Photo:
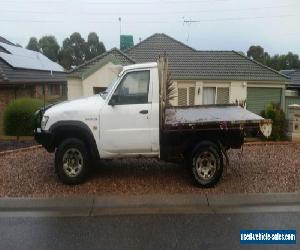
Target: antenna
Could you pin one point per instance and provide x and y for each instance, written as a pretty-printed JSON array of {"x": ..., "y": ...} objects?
[
  {"x": 120, "y": 22},
  {"x": 187, "y": 22}
]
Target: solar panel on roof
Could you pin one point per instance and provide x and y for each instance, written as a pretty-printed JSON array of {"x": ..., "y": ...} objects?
[{"x": 27, "y": 59}]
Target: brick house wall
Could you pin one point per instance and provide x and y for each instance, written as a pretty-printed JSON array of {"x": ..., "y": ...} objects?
[{"x": 8, "y": 94}]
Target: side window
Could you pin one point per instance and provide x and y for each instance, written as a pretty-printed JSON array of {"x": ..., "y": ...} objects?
[{"x": 133, "y": 88}]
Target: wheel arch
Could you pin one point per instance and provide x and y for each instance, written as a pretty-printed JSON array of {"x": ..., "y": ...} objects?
[
  {"x": 195, "y": 145},
  {"x": 74, "y": 129}
]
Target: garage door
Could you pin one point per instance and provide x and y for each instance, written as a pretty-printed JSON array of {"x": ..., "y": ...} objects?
[{"x": 259, "y": 98}]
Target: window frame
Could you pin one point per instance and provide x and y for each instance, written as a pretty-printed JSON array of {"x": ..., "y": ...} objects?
[
  {"x": 188, "y": 86},
  {"x": 123, "y": 79},
  {"x": 216, "y": 94}
]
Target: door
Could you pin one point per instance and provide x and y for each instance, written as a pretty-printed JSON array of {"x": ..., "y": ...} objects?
[
  {"x": 125, "y": 122},
  {"x": 259, "y": 98}
]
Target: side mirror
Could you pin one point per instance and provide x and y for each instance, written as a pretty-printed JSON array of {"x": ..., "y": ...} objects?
[{"x": 113, "y": 100}]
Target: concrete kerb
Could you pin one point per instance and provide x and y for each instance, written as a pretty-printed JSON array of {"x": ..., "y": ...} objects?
[
  {"x": 46, "y": 206},
  {"x": 151, "y": 204},
  {"x": 255, "y": 202}
]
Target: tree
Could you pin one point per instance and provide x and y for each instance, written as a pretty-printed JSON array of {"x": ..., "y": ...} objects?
[
  {"x": 257, "y": 53},
  {"x": 277, "y": 62},
  {"x": 94, "y": 46},
  {"x": 33, "y": 44},
  {"x": 65, "y": 56},
  {"x": 292, "y": 61},
  {"x": 74, "y": 51},
  {"x": 49, "y": 47}
]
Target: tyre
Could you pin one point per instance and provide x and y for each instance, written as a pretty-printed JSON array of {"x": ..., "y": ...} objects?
[
  {"x": 207, "y": 165},
  {"x": 72, "y": 161}
]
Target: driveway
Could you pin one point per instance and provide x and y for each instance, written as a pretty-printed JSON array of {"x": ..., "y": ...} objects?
[{"x": 256, "y": 169}]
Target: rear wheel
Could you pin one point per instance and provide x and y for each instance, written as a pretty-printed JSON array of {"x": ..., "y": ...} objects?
[
  {"x": 72, "y": 161},
  {"x": 207, "y": 165}
]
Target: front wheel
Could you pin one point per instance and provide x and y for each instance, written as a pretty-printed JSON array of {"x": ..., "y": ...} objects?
[
  {"x": 71, "y": 161},
  {"x": 207, "y": 165}
]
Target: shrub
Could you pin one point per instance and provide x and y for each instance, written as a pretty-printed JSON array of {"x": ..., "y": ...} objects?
[
  {"x": 19, "y": 118},
  {"x": 276, "y": 114}
]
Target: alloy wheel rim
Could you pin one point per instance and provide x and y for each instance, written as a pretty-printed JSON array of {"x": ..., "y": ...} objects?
[
  {"x": 72, "y": 162},
  {"x": 206, "y": 165}
]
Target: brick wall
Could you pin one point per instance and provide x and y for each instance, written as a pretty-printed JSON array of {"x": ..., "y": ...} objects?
[
  {"x": 9, "y": 93},
  {"x": 6, "y": 95},
  {"x": 33, "y": 91}
]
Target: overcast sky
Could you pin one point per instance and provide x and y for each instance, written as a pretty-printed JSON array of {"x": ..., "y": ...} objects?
[{"x": 223, "y": 24}]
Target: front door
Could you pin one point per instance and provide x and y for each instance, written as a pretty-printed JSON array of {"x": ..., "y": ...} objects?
[{"x": 125, "y": 123}]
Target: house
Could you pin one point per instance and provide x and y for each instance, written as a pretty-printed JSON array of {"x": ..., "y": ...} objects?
[
  {"x": 294, "y": 75},
  {"x": 95, "y": 75},
  {"x": 213, "y": 77},
  {"x": 26, "y": 73},
  {"x": 200, "y": 77},
  {"x": 293, "y": 93}
]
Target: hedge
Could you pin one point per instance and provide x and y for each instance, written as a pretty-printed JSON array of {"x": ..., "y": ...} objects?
[
  {"x": 276, "y": 114},
  {"x": 19, "y": 118}
]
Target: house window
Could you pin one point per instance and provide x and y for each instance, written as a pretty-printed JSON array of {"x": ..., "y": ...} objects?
[
  {"x": 186, "y": 96},
  {"x": 53, "y": 89},
  {"x": 215, "y": 95},
  {"x": 222, "y": 95},
  {"x": 209, "y": 95},
  {"x": 98, "y": 90}
]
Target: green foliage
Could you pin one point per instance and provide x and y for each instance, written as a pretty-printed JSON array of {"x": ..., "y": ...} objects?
[
  {"x": 74, "y": 51},
  {"x": 277, "y": 62},
  {"x": 19, "y": 119},
  {"x": 1, "y": 123},
  {"x": 49, "y": 47},
  {"x": 94, "y": 46},
  {"x": 33, "y": 44},
  {"x": 276, "y": 114},
  {"x": 257, "y": 53}
]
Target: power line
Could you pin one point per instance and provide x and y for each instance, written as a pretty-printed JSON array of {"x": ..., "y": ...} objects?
[
  {"x": 148, "y": 13},
  {"x": 152, "y": 21},
  {"x": 168, "y": 2},
  {"x": 238, "y": 18},
  {"x": 116, "y": 2}
]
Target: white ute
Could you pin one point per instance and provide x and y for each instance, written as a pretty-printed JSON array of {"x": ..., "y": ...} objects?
[{"x": 132, "y": 118}]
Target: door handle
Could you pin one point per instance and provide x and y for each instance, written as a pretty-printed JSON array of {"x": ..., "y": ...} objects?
[{"x": 144, "y": 112}]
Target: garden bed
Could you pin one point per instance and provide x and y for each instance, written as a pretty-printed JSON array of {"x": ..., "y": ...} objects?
[
  {"x": 16, "y": 144},
  {"x": 256, "y": 169}
]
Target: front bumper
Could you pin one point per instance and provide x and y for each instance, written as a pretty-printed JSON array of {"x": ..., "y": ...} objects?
[{"x": 45, "y": 138}]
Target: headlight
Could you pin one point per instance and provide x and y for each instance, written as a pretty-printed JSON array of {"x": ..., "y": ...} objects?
[{"x": 44, "y": 121}]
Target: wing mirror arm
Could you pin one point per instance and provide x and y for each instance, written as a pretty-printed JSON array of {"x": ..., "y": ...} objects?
[{"x": 113, "y": 100}]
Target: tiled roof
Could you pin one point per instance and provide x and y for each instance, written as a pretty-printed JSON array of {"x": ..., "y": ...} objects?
[
  {"x": 186, "y": 63},
  {"x": 294, "y": 74},
  {"x": 112, "y": 55},
  {"x": 3, "y": 40}
]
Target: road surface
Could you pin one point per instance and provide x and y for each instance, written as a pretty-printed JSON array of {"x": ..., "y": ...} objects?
[{"x": 161, "y": 231}]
